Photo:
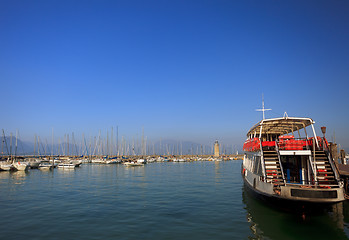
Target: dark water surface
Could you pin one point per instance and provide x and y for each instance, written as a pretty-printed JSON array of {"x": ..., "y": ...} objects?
[{"x": 195, "y": 200}]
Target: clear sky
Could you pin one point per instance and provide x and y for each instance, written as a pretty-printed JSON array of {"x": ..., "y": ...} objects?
[{"x": 183, "y": 70}]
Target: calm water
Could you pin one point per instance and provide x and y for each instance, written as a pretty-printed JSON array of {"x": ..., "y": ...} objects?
[{"x": 197, "y": 200}]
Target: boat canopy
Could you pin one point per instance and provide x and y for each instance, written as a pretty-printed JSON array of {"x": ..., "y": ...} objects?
[{"x": 280, "y": 126}]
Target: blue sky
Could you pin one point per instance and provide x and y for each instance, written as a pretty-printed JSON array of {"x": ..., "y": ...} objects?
[{"x": 183, "y": 70}]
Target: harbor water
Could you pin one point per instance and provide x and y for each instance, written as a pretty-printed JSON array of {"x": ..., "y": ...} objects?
[{"x": 174, "y": 200}]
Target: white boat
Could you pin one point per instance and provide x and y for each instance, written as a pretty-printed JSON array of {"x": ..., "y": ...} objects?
[
  {"x": 132, "y": 164},
  {"x": 113, "y": 161},
  {"x": 66, "y": 165},
  {"x": 97, "y": 160},
  {"x": 34, "y": 163},
  {"x": 21, "y": 166},
  {"x": 45, "y": 166},
  {"x": 6, "y": 167},
  {"x": 280, "y": 168},
  {"x": 76, "y": 162},
  {"x": 142, "y": 161}
]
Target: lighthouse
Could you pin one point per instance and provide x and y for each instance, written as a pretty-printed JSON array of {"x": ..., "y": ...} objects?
[{"x": 216, "y": 149}]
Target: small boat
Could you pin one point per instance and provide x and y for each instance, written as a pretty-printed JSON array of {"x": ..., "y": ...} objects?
[
  {"x": 66, "y": 165},
  {"x": 76, "y": 162},
  {"x": 34, "y": 163},
  {"x": 280, "y": 168},
  {"x": 113, "y": 161},
  {"x": 45, "y": 166},
  {"x": 21, "y": 166},
  {"x": 6, "y": 167},
  {"x": 133, "y": 164},
  {"x": 142, "y": 161},
  {"x": 97, "y": 160}
]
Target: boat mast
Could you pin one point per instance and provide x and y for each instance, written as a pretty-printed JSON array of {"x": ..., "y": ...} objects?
[
  {"x": 2, "y": 148},
  {"x": 16, "y": 143},
  {"x": 111, "y": 143},
  {"x": 53, "y": 161},
  {"x": 3, "y": 134},
  {"x": 34, "y": 144},
  {"x": 11, "y": 147},
  {"x": 117, "y": 140},
  {"x": 263, "y": 109}
]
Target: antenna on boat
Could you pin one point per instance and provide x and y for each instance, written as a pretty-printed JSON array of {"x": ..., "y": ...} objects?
[{"x": 263, "y": 109}]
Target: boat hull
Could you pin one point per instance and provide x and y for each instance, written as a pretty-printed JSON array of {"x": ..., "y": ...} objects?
[
  {"x": 21, "y": 166},
  {"x": 132, "y": 164},
  {"x": 66, "y": 166},
  {"x": 285, "y": 201},
  {"x": 46, "y": 167},
  {"x": 6, "y": 167}
]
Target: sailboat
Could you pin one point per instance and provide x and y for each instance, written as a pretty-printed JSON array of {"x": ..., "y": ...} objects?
[{"x": 20, "y": 166}]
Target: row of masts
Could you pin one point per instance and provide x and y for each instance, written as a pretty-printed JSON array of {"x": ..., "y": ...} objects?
[{"x": 106, "y": 146}]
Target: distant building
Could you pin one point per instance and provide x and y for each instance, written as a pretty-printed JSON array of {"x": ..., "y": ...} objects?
[{"x": 216, "y": 149}]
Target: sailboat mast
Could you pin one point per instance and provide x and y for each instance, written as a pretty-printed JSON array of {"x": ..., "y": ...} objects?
[
  {"x": 16, "y": 142},
  {"x": 111, "y": 143},
  {"x": 11, "y": 146},
  {"x": 68, "y": 144},
  {"x": 117, "y": 140},
  {"x": 3, "y": 133},
  {"x": 53, "y": 161}
]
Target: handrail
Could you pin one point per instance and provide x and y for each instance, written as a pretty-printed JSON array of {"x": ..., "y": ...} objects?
[
  {"x": 279, "y": 158},
  {"x": 313, "y": 164},
  {"x": 262, "y": 161},
  {"x": 312, "y": 185},
  {"x": 330, "y": 160}
]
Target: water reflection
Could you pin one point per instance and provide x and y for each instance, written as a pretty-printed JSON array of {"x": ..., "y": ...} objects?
[
  {"x": 136, "y": 175},
  {"x": 267, "y": 222},
  {"x": 19, "y": 177},
  {"x": 217, "y": 170},
  {"x": 4, "y": 175}
]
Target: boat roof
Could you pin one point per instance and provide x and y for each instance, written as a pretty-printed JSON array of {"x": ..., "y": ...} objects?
[{"x": 280, "y": 126}]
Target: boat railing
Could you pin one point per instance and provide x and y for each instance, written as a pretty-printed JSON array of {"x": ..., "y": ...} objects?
[
  {"x": 262, "y": 161},
  {"x": 286, "y": 142},
  {"x": 279, "y": 158},
  {"x": 311, "y": 185},
  {"x": 327, "y": 151},
  {"x": 292, "y": 143}
]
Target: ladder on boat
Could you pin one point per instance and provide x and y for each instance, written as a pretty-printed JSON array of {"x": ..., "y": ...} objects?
[
  {"x": 324, "y": 171},
  {"x": 272, "y": 168}
]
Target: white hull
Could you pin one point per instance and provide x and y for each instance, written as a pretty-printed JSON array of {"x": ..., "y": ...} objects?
[
  {"x": 132, "y": 164},
  {"x": 34, "y": 164},
  {"x": 21, "y": 166},
  {"x": 6, "y": 167},
  {"x": 66, "y": 166},
  {"x": 45, "y": 166}
]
